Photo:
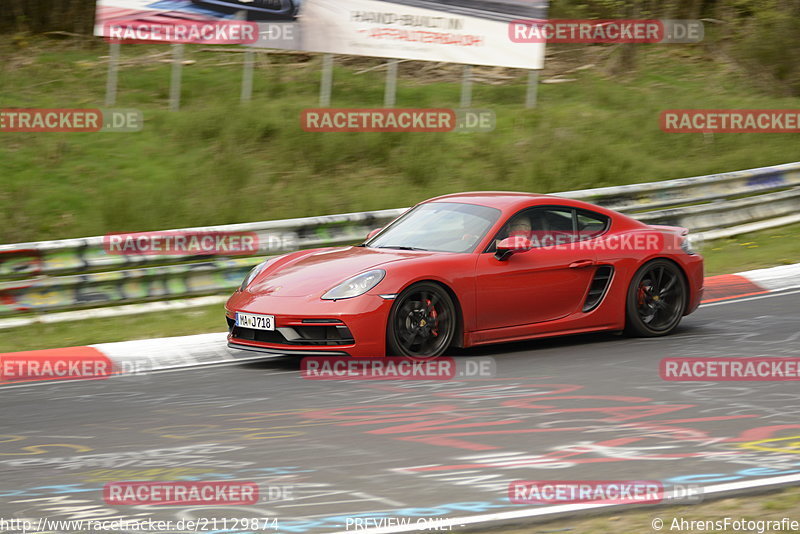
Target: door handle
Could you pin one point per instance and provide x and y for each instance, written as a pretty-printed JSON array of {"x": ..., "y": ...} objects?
[{"x": 581, "y": 263}]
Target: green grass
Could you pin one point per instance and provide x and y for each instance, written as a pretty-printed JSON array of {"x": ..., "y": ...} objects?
[
  {"x": 752, "y": 251},
  {"x": 107, "y": 330},
  {"x": 780, "y": 246},
  {"x": 218, "y": 161}
]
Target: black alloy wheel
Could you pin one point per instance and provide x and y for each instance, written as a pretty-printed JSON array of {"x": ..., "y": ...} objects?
[
  {"x": 422, "y": 322},
  {"x": 656, "y": 299}
]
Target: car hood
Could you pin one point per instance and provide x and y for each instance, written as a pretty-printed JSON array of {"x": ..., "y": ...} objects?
[{"x": 316, "y": 271}]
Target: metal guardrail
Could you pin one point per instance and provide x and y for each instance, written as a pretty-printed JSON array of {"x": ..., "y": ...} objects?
[
  {"x": 86, "y": 255},
  {"x": 78, "y": 273},
  {"x": 653, "y": 195}
]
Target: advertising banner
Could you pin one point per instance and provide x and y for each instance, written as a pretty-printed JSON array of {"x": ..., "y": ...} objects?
[{"x": 474, "y": 32}]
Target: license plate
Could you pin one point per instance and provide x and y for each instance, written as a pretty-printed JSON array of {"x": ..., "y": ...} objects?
[{"x": 256, "y": 322}]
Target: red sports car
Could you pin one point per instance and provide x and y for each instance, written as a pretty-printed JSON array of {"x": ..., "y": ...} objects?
[{"x": 470, "y": 269}]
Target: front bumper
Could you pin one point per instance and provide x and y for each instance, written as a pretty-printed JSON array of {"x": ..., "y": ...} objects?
[
  {"x": 694, "y": 268},
  {"x": 285, "y": 352},
  {"x": 306, "y": 326}
]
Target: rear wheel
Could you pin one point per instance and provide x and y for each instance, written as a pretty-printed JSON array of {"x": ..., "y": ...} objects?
[
  {"x": 422, "y": 322},
  {"x": 656, "y": 299}
]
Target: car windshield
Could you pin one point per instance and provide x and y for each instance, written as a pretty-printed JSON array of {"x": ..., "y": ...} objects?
[{"x": 439, "y": 227}]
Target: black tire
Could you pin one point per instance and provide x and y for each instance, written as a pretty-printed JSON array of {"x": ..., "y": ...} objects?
[
  {"x": 422, "y": 323},
  {"x": 656, "y": 299}
]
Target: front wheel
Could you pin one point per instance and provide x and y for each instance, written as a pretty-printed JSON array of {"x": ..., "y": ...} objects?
[
  {"x": 422, "y": 322},
  {"x": 656, "y": 299}
]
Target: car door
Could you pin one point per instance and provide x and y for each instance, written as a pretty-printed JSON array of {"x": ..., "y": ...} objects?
[{"x": 545, "y": 283}]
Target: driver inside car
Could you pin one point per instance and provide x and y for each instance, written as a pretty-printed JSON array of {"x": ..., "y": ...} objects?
[{"x": 519, "y": 226}]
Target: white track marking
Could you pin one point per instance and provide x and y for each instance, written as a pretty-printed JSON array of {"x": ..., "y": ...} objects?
[
  {"x": 221, "y": 363},
  {"x": 756, "y": 297},
  {"x": 442, "y": 524}
]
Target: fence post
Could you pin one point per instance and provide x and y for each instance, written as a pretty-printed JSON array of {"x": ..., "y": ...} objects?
[
  {"x": 247, "y": 76},
  {"x": 327, "y": 81},
  {"x": 175, "y": 85},
  {"x": 466, "y": 87},
  {"x": 111, "y": 79},
  {"x": 533, "y": 89},
  {"x": 390, "y": 96}
]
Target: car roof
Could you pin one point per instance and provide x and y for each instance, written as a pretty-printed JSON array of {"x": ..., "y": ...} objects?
[
  {"x": 492, "y": 198},
  {"x": 510, "y": 200}
]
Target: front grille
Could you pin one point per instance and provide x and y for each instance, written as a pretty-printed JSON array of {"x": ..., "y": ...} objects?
[
  {"x": 317, "y": 335},
  {"x": 263, "y": 336}
]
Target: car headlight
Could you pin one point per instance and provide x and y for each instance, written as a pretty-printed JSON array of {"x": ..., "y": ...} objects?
[
  {"x": 690, "y": 244},
  {"x": 255, "y": 271},
  {"x": 358, "y": 285}
]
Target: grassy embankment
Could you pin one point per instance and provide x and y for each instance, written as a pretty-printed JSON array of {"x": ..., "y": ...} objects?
[{"x": 218, "y": 161}]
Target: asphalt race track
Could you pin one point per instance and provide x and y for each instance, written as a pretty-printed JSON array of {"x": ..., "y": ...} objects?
[{"x": 580, "y": 408}]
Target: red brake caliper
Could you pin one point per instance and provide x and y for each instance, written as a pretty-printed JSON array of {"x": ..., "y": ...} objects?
[
  {"x": 641, "y": 295},
  {"x": 434, "y": 316}
]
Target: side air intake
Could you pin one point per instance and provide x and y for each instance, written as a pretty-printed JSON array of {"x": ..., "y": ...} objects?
[{"x": 599, "y": 287}]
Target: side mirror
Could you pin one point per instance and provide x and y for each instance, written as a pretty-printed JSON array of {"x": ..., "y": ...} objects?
[
  {"x": 512, "y": 245},
  {"x": 373, "y": 233}
]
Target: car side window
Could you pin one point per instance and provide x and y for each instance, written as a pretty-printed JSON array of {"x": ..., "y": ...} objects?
[
  {"x": 555, "y": 226},
  {"x": 543, "y": 226},
  {"x": 591, "y": 224}
]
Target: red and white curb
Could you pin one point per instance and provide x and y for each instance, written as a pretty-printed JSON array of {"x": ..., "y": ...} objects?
[
  {"x": 750, "y": 283},
  {"x": 169, "y": 352},
  {"x": 125, "y": 358},
  {"x": 174, "y": 353}
]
